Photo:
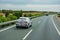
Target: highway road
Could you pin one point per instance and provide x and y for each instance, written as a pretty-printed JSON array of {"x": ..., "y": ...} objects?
[{"x": 43, "y": 28}]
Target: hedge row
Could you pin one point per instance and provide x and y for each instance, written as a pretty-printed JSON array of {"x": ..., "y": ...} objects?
[
  {"x": 9, "y": 18},
  {"x": 58, "y": 15}
]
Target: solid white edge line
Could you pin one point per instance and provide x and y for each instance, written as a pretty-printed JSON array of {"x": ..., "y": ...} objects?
[
  {"x": 55, "y": 27},
  {"x": 27, "y": 34},
  {"x": 6, "y": 28}
]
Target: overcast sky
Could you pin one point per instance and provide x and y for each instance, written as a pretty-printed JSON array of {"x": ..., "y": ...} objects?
[{"x": 39, "y": 5}]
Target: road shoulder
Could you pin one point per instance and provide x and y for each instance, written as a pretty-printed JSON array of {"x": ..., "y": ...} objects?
[{"x": 57, "y": 22}]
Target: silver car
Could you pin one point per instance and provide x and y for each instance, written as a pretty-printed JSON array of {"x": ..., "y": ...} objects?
[{"x": 23, "y": 22}]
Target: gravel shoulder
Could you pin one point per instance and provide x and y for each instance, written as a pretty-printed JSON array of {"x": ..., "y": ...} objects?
[{"x": 57, "y": 21}]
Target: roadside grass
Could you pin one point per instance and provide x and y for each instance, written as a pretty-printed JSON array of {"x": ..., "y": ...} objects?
[{"x": 58, "y": 15}]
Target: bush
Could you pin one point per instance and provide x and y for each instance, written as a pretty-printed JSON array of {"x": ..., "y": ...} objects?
[
  {"x": 58, "y": 15},
  {"x": 12, "y": 17},
  {"x": 25, "y": 15},
  {"x": 18, "y": 13},
  {"x": 3, "y": 19},
  {"x": 29, "y": 15},
  {"x": 8, "y": 19},
  {"x": 35, "y": 15}
]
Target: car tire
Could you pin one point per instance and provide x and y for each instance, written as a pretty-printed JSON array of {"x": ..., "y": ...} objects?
[
  {"x": 30, "y": 25},
  {"x": 27, "y": 27}
]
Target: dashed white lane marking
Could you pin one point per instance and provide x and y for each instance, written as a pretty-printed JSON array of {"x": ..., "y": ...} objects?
[
  {"x": 27, "y": 34},
  {"x": 55, "y": 27},
  {"x": 7, "y": 28}
]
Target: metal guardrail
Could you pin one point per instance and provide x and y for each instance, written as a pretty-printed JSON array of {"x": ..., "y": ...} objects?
[
  {"x": 11, "y": 22},
  {"x": 4, "y": 24},
  {"x": 7, "y": 22}
]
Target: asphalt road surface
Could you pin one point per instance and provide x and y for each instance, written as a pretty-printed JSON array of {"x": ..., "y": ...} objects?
[{"x": 42, "y": 29}]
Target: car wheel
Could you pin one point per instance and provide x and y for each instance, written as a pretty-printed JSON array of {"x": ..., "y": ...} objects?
[
  {"x": 30, "y": 25},
  {"x": 27, "y": 27}
]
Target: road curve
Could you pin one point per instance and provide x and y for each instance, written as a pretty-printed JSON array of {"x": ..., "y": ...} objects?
[{"x": 42, "y": 29}]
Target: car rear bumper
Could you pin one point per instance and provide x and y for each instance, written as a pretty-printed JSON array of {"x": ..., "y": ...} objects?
[
  {"x": 17, "y": 25},
  {"x": 21, "y": 27}
]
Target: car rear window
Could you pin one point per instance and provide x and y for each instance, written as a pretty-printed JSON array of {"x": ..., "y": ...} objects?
[{"x": 22, "y": 18}]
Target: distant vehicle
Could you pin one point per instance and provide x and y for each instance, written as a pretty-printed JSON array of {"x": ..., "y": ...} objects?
[
  {"x": 23, "y": 22},
  {"x": 46, "y": 14}
]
